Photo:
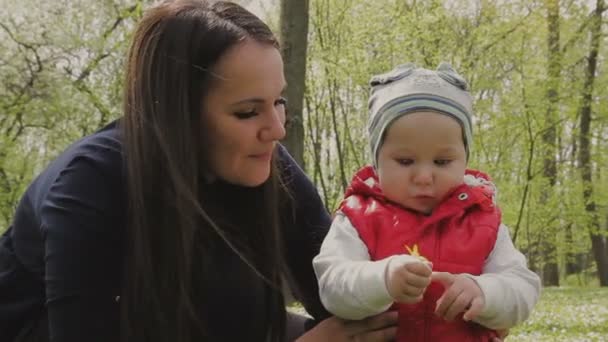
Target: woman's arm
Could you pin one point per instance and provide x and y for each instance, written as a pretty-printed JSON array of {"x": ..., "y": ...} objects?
[
  {"x": 81, "y": 220},
  {"x": 379, "y": 328},
  {"x": 305, "y": 222},
  {"x": 305, "y": 228}
]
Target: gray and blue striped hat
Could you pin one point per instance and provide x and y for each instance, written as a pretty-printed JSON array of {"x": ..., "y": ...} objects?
[{"x": 407, "y": 89}]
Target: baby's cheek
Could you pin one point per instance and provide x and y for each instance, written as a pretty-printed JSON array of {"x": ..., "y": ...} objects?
[{"x": 454, "y": 181}]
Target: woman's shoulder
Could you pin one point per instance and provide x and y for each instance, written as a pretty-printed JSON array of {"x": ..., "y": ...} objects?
[
  {"x": 303, "y": 193},
  {"x": 103, "y": 148},
  {"x": 84, "y": 179},
  {"x": 292, "y": 174},
  {"x": 95, "y": 160}
]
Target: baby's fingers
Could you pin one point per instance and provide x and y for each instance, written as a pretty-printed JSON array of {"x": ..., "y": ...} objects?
[
  {"x": 475, "y": 309},
  {"x": 417, "y": 281},
  {"x": 459, "y": 305},
  {"x": 444, "y": 278},
  {"x": 419, "y": 268}
]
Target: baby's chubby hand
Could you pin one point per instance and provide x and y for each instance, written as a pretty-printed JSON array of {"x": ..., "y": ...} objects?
[
  {"x": 462, "y": 294},
  {"x": 407, "y": 283}
]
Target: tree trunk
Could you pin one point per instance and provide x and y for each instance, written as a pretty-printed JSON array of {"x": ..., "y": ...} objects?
[
  {"x": 294, "y": 42},
  {"x": 315, "y": 141},
  {"x": 550, "y": 271},
  {"x": 333, "y": 98},
  {"x": 597, "y": 241}
]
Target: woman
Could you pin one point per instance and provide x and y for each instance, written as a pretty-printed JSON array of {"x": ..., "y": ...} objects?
[{"x": 183, "y": 220}]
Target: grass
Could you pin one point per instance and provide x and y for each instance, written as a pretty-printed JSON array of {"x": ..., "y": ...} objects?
[{"x": 567, "y": 314}]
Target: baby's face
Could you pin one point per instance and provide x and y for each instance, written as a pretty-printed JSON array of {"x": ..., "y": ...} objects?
[{"x": 421, "y": 159}]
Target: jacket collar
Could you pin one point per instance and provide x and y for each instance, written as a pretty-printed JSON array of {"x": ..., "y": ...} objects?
[{"x": 477, "y": 189}]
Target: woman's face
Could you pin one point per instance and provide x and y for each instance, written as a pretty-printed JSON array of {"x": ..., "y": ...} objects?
[{"x": 244, "y": 113}]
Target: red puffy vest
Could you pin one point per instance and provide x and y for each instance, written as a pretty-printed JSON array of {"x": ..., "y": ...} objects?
[{"x": 456, "y": 237}]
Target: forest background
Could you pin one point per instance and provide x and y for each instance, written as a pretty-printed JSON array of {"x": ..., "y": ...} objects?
[{"x": 536, "y": 69}]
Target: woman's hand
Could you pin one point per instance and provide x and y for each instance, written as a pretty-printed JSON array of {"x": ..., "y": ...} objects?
[
  {"x": 502, "y": 335},
  {"x": 382, "y": 327}
]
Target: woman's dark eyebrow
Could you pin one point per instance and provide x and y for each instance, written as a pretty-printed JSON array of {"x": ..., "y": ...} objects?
[
  {"x": 250, "y": 100},
  {"x": 256, "y": 99}
]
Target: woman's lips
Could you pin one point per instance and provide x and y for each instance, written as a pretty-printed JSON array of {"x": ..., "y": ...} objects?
[{"x": 262, "y": 156}]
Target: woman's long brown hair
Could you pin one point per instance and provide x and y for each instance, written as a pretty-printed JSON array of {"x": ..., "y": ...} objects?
[{"x": 173, "y": 49}]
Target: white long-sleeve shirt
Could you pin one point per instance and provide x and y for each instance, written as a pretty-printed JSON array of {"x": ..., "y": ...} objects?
[{"x": 352, "y": 286}]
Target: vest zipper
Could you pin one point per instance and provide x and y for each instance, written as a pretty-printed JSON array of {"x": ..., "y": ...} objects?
[{"x": 437, "y": 236}]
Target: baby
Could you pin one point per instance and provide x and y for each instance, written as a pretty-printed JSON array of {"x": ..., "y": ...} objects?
[{"x": 417, "y": 231}]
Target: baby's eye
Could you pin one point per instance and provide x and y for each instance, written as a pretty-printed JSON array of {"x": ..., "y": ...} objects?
[
  {"x": 404, "y": 161},
  {"x": 442, "y": 162}
]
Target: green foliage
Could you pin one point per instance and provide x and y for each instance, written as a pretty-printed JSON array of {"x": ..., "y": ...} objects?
[
  {"x": 501, "y": 48},
  {"x": 61, "y": 67}
]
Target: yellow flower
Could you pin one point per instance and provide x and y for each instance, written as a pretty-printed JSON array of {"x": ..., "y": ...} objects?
[{"x": 414, "y": 252}]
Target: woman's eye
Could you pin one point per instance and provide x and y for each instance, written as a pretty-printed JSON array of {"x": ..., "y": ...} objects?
[
  {"x": 280, "y": 102},
  {"x": 246, "y": 115}
]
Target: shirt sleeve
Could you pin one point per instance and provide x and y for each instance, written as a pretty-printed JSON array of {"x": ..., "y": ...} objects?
[
  {"x": 83, "y": 249},
  {"x": 510, "y": 289},
  {"x": 350, "y": 285}
]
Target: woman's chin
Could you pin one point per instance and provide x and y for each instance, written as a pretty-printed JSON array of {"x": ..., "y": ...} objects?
[{"x": 252, "y": 179}]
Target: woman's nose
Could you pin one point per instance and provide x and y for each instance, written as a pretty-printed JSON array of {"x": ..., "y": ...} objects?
[{"x": 274, "y": 126}]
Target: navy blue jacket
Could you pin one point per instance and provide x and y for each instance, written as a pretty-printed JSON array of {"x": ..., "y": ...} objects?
[{"x": 63, "y": 253}]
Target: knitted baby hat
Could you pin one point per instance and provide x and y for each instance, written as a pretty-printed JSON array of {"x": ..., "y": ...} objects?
[{"x": 408, "y": 89}]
